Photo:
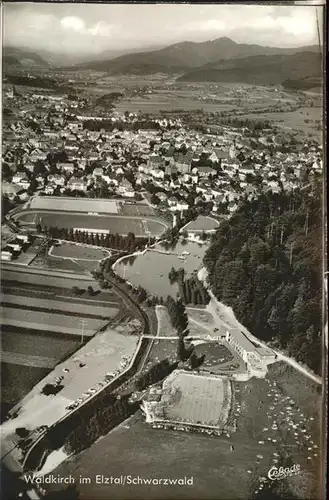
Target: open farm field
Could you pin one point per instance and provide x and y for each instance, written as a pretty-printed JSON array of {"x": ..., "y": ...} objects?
[
  {"x": 16, "y": 381},
  {"x": 92, "y": 223},
  {"x": 155, "y": 103},
  {"x": 83, "y": 309},
  {"x": 79, "y": 252},
  {"x": 22, "y": 359},
  {"x": 209, "y": 97},
  {"x": 293, "y": 120},
  {"x": 51, "y": 321},
  {"x": 45, "y": 279},
  {"x": 37, "y": 342},
  {"x": 68, "y": 204},
  {"x": 100, "y": 298}
]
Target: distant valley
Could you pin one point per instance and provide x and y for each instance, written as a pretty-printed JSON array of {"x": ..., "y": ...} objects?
[{"x": 220, "y": 60}]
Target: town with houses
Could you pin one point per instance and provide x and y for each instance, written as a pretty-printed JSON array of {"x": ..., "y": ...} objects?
[{"x": 179, "y": 167}]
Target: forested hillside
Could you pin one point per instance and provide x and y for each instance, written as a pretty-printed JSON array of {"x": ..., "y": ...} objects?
[{"x": 266, "y": 261}]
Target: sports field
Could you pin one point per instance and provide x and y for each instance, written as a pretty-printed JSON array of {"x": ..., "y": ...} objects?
[
  {"x": 196, "y": 399},
  {"x": 73, "y": 204},
  {"x": 202, "y": 223},
  {"x": 136, "y": 209},
  {"x": 54, "y": 322},
  {"x": 92, "y": 223},
  {"x": 79, "y": 252}
]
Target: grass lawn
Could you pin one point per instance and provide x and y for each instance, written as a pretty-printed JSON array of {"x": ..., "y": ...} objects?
[
  {"x": 218, "y": 470},
  {"x": 215, "y": 354},
  {"x": 202, "y": 223},
  {"x": 70, "y": 250},
  {"x": 201, "y": 316},
  {"x": 161, "y": 350},
  {"x": 49, "y": 262},
  {"x": 165, "y": 328},
  {"x": 214, "y": 467}
]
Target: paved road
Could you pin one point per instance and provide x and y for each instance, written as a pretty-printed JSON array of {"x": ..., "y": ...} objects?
[
  {"x": 280, "y": 355},
  {"x": 175, "y": 337}
]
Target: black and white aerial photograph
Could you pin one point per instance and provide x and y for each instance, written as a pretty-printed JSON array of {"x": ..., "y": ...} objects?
[{"x": 163, "y": 264}]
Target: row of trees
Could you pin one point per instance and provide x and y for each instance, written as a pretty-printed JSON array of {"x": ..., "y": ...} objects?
[
  {"x": 127, "y": 243},
  {"x": 156, "y": 373},
  {"x": 179, "y": 321},
  {"x": 120, "y": 125},
  {"x": 266, "y": 264},
  {"x": 94, "y": 421},
  {"x": 191, "y": 289}
]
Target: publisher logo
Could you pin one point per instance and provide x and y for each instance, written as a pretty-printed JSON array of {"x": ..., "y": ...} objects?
[{"x": 275, "y": 473}]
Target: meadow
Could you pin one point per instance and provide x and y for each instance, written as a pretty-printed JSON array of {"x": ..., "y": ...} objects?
[{"x": 305, "y": 120}]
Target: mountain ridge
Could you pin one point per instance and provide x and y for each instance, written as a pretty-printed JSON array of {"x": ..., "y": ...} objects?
[
  {"x": 261, "y": 69},
  {"x": 218, "y": 60},
  {"x": 183, "y": 56}
]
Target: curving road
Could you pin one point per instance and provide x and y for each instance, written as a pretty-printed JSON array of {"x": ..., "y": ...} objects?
[{"x": 280, "y": 356}]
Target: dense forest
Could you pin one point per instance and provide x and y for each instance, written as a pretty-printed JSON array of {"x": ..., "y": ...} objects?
[
  {"x": 265, "y": 262},
  {"x": 191, "y": 289}
]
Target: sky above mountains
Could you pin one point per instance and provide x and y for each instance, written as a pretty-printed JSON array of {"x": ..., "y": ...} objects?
[{"x": 92, "y": 28}]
